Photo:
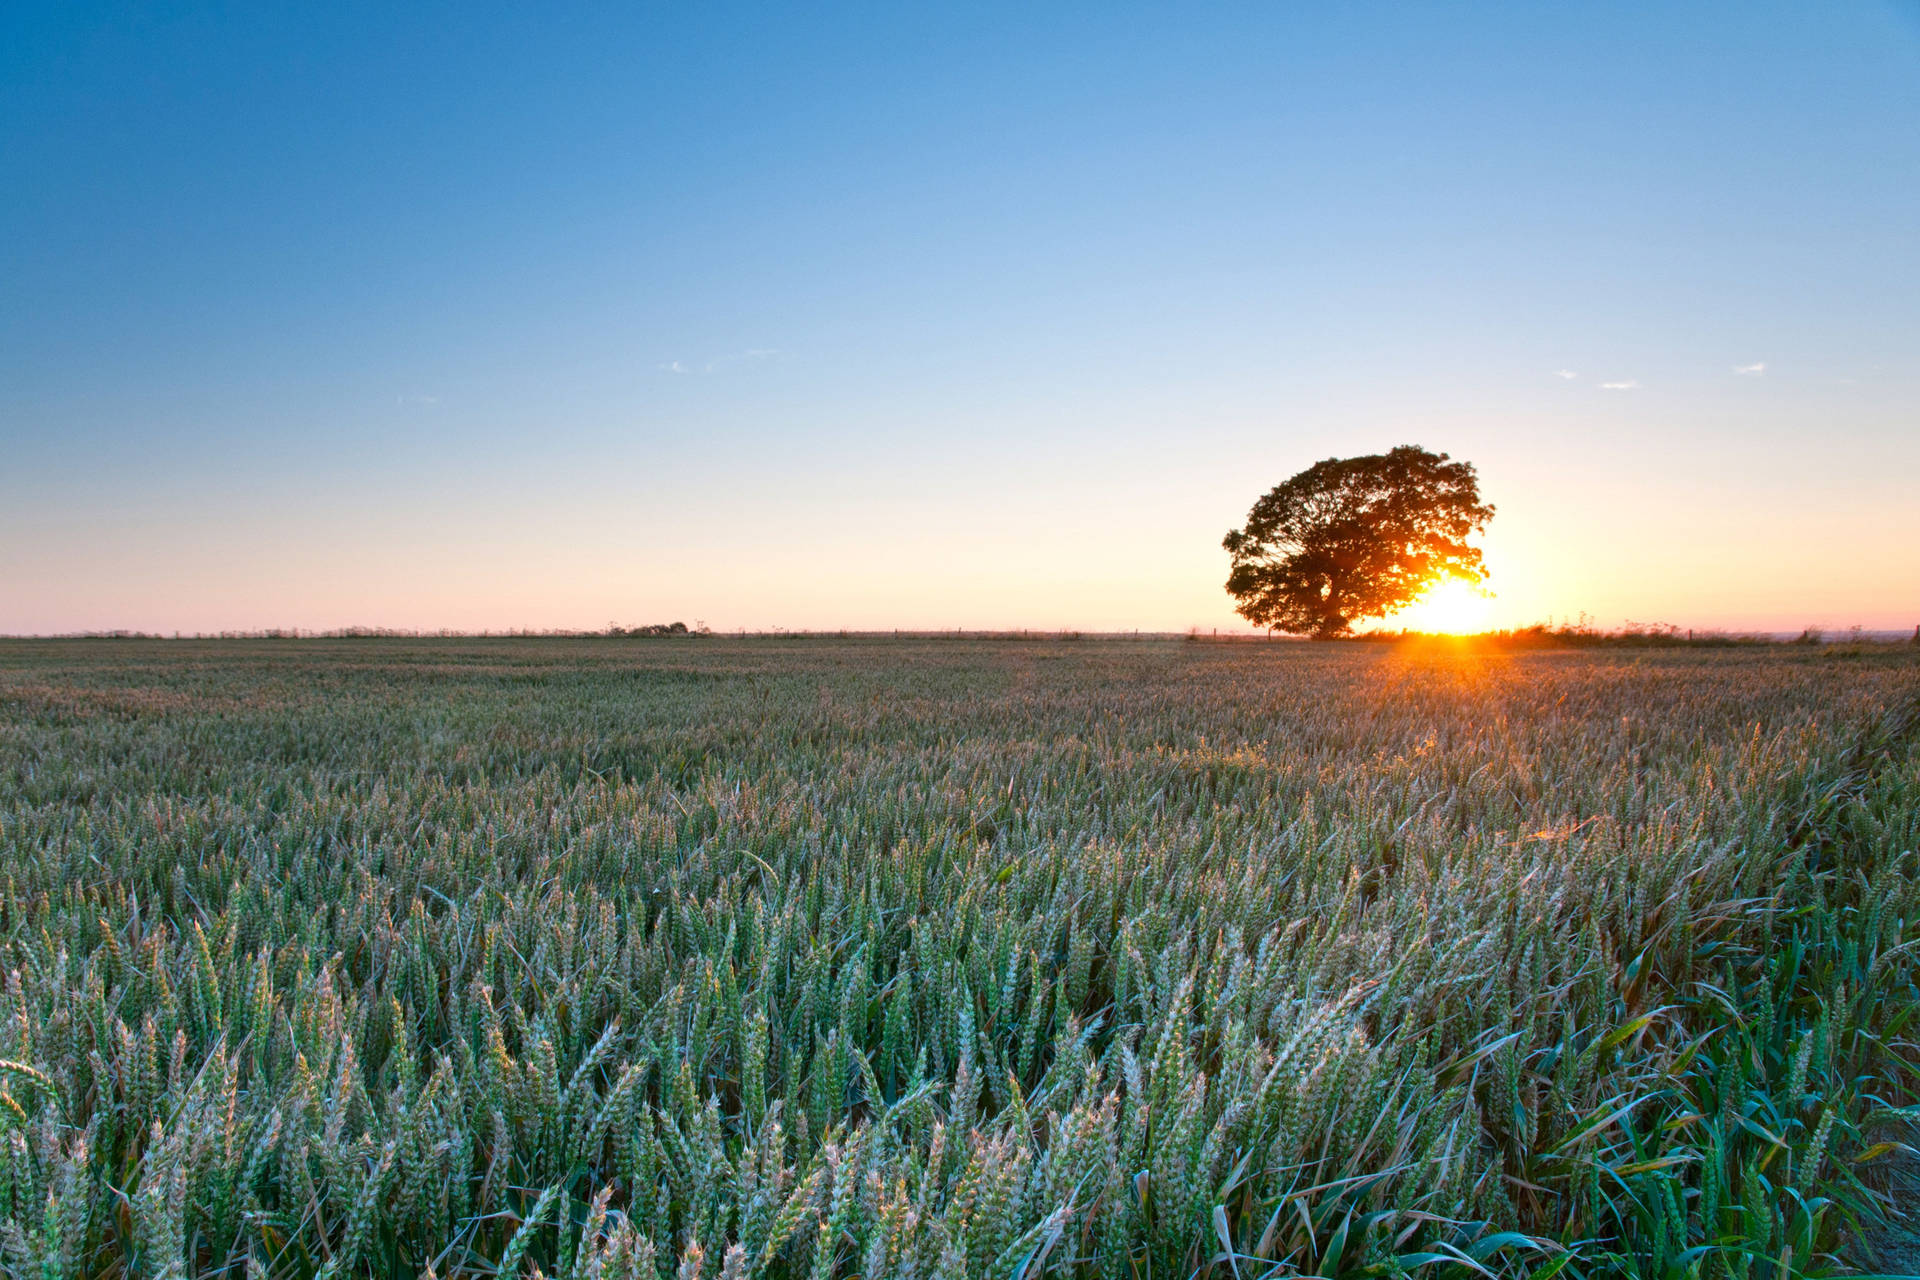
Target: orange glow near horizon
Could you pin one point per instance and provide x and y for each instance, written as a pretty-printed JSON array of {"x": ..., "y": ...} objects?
[{"x": 1451, "y": 606}]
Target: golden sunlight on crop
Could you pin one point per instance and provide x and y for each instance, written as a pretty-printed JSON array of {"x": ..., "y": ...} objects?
[{"x": 1451, "y": 606}]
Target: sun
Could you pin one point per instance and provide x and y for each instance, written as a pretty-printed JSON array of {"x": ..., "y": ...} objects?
[{"x": 1451, "y": 607}]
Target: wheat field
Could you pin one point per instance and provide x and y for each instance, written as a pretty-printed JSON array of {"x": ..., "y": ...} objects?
[{"x": 918, "y": 958}]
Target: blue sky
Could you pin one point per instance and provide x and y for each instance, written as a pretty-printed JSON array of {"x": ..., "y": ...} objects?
[{"x": 989, "y": 317}]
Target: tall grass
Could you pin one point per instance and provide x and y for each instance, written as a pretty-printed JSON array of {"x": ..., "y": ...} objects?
[{"x": 922, "y": 959}]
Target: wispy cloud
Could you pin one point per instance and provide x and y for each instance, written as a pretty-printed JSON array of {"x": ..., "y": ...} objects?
[
  {"x": 1565, "y": 373},
  {"x": 1753, "y": 370},
  {"x": 752, "y": 355},
  {"x": 1628, "y": 385},
  {"x": 416, "y": 399}
]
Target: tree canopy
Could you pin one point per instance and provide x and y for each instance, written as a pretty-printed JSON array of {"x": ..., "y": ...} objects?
[{"x": 1353, "y": 538}]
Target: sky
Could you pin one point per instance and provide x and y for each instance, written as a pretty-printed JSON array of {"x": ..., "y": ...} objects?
[{"x": 944, "y": 316}]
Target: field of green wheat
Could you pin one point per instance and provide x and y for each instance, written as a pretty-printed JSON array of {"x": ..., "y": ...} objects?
[{"x": 727, "y": 958}]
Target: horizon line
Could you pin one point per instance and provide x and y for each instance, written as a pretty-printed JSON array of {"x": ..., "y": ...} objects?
[{"x": 1563, "y": 629}]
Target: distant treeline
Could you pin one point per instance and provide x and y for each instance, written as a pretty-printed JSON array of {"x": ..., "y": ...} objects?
[
  {"x": 1583, "y": 634},
  {"x": 613, "y": 630},
  {"x": 1580, "y": 634}
]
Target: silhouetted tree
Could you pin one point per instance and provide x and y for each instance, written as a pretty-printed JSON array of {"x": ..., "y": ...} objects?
[{"x": 1353, "y": 538}]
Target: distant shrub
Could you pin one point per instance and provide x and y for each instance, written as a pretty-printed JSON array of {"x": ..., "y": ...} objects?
[{"x": 655, "y": 630}]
